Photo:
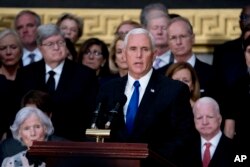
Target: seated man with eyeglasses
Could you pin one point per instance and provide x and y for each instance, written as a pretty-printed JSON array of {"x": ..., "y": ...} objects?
[{"x": 74, "y": 85}]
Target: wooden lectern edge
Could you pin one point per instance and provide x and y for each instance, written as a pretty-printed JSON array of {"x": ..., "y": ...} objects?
[
  {"x": 117, "y": 154},
  {"x": 68, "y": 148}
]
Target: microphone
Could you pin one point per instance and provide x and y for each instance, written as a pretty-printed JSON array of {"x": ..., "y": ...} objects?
[
  {"x": 95, "y": 116},
  {"x": 120, "y": 103}
]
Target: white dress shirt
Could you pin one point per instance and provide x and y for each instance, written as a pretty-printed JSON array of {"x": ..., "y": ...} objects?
[
  {"x": 165, "y": 58},
  {"x": 130, "y": 88},
  {"x": 191, "y": 60},
  {"x": 57, "y": 70},
  {"x": 214, "y": 143},
  {"x": 26, "y": 53}
]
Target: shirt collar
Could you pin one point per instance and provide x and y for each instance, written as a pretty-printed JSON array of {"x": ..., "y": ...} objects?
[
  {"x": 165, "y": 56},
  {"x": 191, "y": 60},
  {"x": 27, "y": 52},
  {"x": 57, "y": 70},
  {"x": 214, "y": 141},
  {"x": 143, "y": 80}
]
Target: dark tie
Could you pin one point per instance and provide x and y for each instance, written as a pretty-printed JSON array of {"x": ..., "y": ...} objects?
[
  {"x": 51, "y": 82},
  {"x": 32, "y": 57},
  {"x": 206, "y": 156},
  {"x": 171, "y": 58},
  {"x": 132, "y": 107}
]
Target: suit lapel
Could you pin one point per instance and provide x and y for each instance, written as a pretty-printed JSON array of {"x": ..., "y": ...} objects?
[
  {"x": 149, "y": 94},
  {"x": 144, "y": 107},
  {"x": 65, "y": 76},
  {"x": 40, "y": 74}
]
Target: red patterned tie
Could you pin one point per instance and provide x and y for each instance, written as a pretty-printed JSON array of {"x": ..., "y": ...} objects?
[{"x": 206, "y": 156}]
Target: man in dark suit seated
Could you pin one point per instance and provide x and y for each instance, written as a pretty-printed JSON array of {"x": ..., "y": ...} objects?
[
  {"x": 73, "y": 87},
  {"x": 161, "y": 115},
  {"x": 181, "y": 39},
  {"x": 220, "y": 149}
]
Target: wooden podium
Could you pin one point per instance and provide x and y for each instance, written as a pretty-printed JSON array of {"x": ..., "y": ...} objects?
[{"x": 91, "y": 154}]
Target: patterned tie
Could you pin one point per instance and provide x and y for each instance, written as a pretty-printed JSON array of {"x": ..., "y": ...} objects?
[
  {"x": 132, "y": 107},
  {"x": 157, "y": 63},
  {"x": 51, "y": 82},
  {"x": 32, "y": 57},
  {"x": 206, "y": 156}
]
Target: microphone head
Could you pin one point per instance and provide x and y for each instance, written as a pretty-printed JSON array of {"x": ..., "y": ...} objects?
[{"x": 121, "y": 100}]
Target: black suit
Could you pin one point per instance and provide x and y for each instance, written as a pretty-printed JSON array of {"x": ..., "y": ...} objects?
[
  {"x": 229, "y": 61},
  {"x": 223, "y": 155},
  {"x": 164, "y": 118},
  {"x": 74, "y": 97},
  {"x": 238, "y": 108},
  {"x": 205, "y": 75},
  {"x": 7, "y": 113},
  {"x": 229, "y": 65}
]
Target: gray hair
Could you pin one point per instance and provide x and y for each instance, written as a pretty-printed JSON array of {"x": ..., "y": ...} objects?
[
  {"x": 140, "y": 31},
  {"x": 79, "y": 21},
  {"x": 28, "y": 12},
  {"x": 206, "y": 101},
  {"x": 146, "y": 12},
  {"x": 8, "y": 31},
  {"x": 185, "y": 20},
  {"x": 25, "y": 113},
  {"x": 45, "y": 31}
]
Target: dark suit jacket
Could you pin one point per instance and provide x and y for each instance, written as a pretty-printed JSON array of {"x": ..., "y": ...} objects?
[
  {"x": 238, "y": 107},
  {"x": 229, "y": 65},
  {"x": 229, "y": 61},
  {"x": 6, "y": 98},
  {"x": 223, "y": 156},
  {"x": 164, "y": 118},
  {"x": 205, "y": 75},
  {"x": 74, "y": 97}
]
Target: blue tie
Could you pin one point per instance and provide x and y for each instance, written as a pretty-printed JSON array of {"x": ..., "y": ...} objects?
[{"x": 132, "y": 107}]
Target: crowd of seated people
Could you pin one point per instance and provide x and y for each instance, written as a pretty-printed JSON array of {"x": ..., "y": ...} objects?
[{"x": 54, "y": 87}]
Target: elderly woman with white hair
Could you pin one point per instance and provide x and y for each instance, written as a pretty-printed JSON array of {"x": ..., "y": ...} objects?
[{"x": 30, "y": 124}]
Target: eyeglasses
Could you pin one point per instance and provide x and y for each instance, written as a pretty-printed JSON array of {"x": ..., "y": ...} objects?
[
  {"x": 94, "y": 53},
  {"x": 52, "y": 44}
]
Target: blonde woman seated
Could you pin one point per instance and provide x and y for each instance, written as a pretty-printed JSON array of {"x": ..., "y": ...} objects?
[
  {"x": 185, "y": 73},
  {"x": 30, "y": 124}
]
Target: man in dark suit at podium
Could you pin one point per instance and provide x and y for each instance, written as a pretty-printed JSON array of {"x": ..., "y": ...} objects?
[{"x": 163, "y": 117}]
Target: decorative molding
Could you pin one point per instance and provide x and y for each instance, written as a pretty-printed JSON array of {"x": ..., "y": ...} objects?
[{"x": 211, "y": 26}]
